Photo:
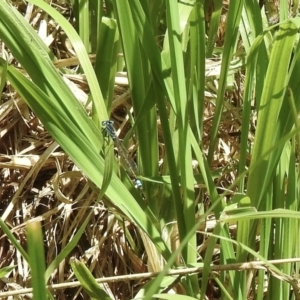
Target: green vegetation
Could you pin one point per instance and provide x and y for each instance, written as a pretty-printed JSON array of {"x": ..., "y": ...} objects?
[{"x": 204, "y": 95}]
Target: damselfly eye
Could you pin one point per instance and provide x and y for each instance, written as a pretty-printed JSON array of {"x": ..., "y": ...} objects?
[{"x": 107, "y": 123}]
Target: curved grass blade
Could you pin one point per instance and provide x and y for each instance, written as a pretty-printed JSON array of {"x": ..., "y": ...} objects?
[{"x": 88, "y": 282}]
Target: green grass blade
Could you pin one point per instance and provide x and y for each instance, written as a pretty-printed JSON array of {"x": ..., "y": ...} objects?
[
  {"x": 3, "y": 72},
  {"x": 4, "y": 271},
  {"x": 217, "y": 207},
  {"x": 213, "y": 27},
  {"x": 13, "y": 240},
  {"x": 88, "y": 282},
  {"x": 83, "y": 20},
  {"x": 272, "y": 98},
  {"x": 36, "y": 260},
  {"x": 106, "y": 59},
  {"x": 232, "y": 26},
  {"x": 197, "y": 77},
  {"x": 84, "y": 60},
  {"x": 184, "y": 150}
]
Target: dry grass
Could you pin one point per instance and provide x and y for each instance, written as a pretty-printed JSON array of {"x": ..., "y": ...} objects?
[{"x": 39, "y": 182}]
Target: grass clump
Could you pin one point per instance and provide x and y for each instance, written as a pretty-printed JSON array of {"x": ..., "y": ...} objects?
[{"x": 204, "y": 99}]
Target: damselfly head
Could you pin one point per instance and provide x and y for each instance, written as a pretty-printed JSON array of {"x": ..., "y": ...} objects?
[
  {"x": 109, "y": 127},
  {"x": 138, "y": 184},
  {"x": 107, "y": 123}
]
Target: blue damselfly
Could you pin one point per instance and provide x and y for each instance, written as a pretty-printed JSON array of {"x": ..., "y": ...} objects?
[{"x": 126, "y": 160}]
